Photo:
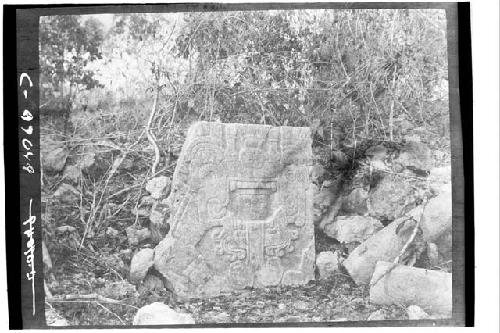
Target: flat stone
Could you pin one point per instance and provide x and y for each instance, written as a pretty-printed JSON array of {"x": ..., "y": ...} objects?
[
  {"x": 240, "y": 210},
  {"x": 161, "y": 314},
  {"x": 405, "y": 285}
]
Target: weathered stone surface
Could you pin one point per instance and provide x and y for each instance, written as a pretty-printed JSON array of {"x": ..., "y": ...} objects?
[
  {"x": 391, "y": 198},
  {"x": 141, "y": 262},
  {"x": 67, "y": 193},
  {"x": 405, "y": 285},
  {"x": 356, "y": 202},
  {"x": 54, "y": 158},
  {"x": 158, "y": 186},
  {"x": 437, "y": 217},
  {"x": 135, "y": 236},
  {"x": 377, "y": 315},
  {"x": 241, "y": 210},
  {"x": 416, "y": 313},
  {"x": 161, "y": 314},
  {"x": 415, "y": 155},
  {"x": 71, "y": 173},
  {"x": 384, "y": 245},
  {"x": 349, "y": 229},
  {"x": 327, "y": 263}
]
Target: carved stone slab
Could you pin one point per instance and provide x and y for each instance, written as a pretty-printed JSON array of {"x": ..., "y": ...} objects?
[{"x": 241, "y": 210}]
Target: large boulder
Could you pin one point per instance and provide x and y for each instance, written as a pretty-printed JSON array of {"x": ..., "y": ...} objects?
[
  {"x": 405, "y": 285},
  {"x": 240, "y": 210},
  {"x": 140, "y": 264},
  {"x": 391, "y": 198},
  {"x": 161, "y": 314},
  {"x": 415, "y": 156},
  {"x": 348, "y": 229},
  {"x": 384, "y": 245}
]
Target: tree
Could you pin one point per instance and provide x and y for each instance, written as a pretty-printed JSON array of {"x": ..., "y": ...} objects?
[{"x": 67, "y": 45}]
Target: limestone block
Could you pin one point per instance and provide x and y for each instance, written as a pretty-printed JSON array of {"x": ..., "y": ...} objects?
[
  {"x": 241, "y": 206},
  {"x": 161, "y": 314},
  {"x": 405, "y": 285}
]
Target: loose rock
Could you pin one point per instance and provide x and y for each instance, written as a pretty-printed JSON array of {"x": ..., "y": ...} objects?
[
  {"x": 71, "y": 173},
  {"x": 135, "y": 236},
  {"x": 54, "y": 159},
  {"x": 161, "y": 314},
  {"x": 415, "y": 155},
  {"x": 377, "y": 315},
  {"x": 405, "y": 285},
  {"x": 391, "y": 198},
  {"x": 158, "y": 186},
  {"x": 437, "y": 217},
  {"x": 141, "y": 262},
  {"x": 416, "y": 313},
  {"x": 327, "y": 263},
  {"x": 67, "y": 194},
  {"x": 383, "y": 245},
  {"x": 356, "y": 202},
  {"x": 348, "y": 229}
]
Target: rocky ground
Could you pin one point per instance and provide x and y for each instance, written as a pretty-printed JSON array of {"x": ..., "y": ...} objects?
[{"x": 357, "y": 201}]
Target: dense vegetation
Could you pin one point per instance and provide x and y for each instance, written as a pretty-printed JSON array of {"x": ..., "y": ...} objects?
[{"x": 125, "y": 87}]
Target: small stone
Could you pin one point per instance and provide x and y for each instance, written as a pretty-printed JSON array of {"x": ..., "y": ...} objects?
[
  {"x": 327, "y": 263},
  {"x": 147, "y": 200},
  {"x": 112, "y": 232},
  {"x": 87, "y": 161},
  {"x": 141, "y": 262},
  {"x": 376, "y": 153},
  {"x": 415, "y": 155},
  {"x": 151, "y": 283},
  {"x": 65, "y": 228},
  {"x": 135, "y": 236},
  {"x": 377, "y": 315},
  {"x": 416, "y": 313},
  {"x": 348, "y": 229},
  {"x": 356, "y": 202},
  {"x": 221, "y": 318},
  {"x": 161, "y": 314},
  {"x": 158, "y": 186},
  {"x": 67, "y": 194},
  {"x": 143, "y": 212},
  {"x": 53, "y": 160},
  {"x": 71, "y": 173},
  {"x": 300, "y": 305},
  {"x": 317, "y": 172}
]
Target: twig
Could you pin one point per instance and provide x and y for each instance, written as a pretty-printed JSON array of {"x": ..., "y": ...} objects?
[
  {"x": 410, "y": 240},
  {"x": 149, "y": 133},
  {"x": 91, "y": 298},
  {"x": 108, "y": 310}
]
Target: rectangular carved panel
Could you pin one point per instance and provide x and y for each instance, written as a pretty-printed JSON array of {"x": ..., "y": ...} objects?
[{"x": 240, "y": 210}]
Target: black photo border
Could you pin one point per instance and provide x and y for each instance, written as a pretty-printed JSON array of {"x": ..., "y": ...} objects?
[{"x": 21, "y": 56}]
